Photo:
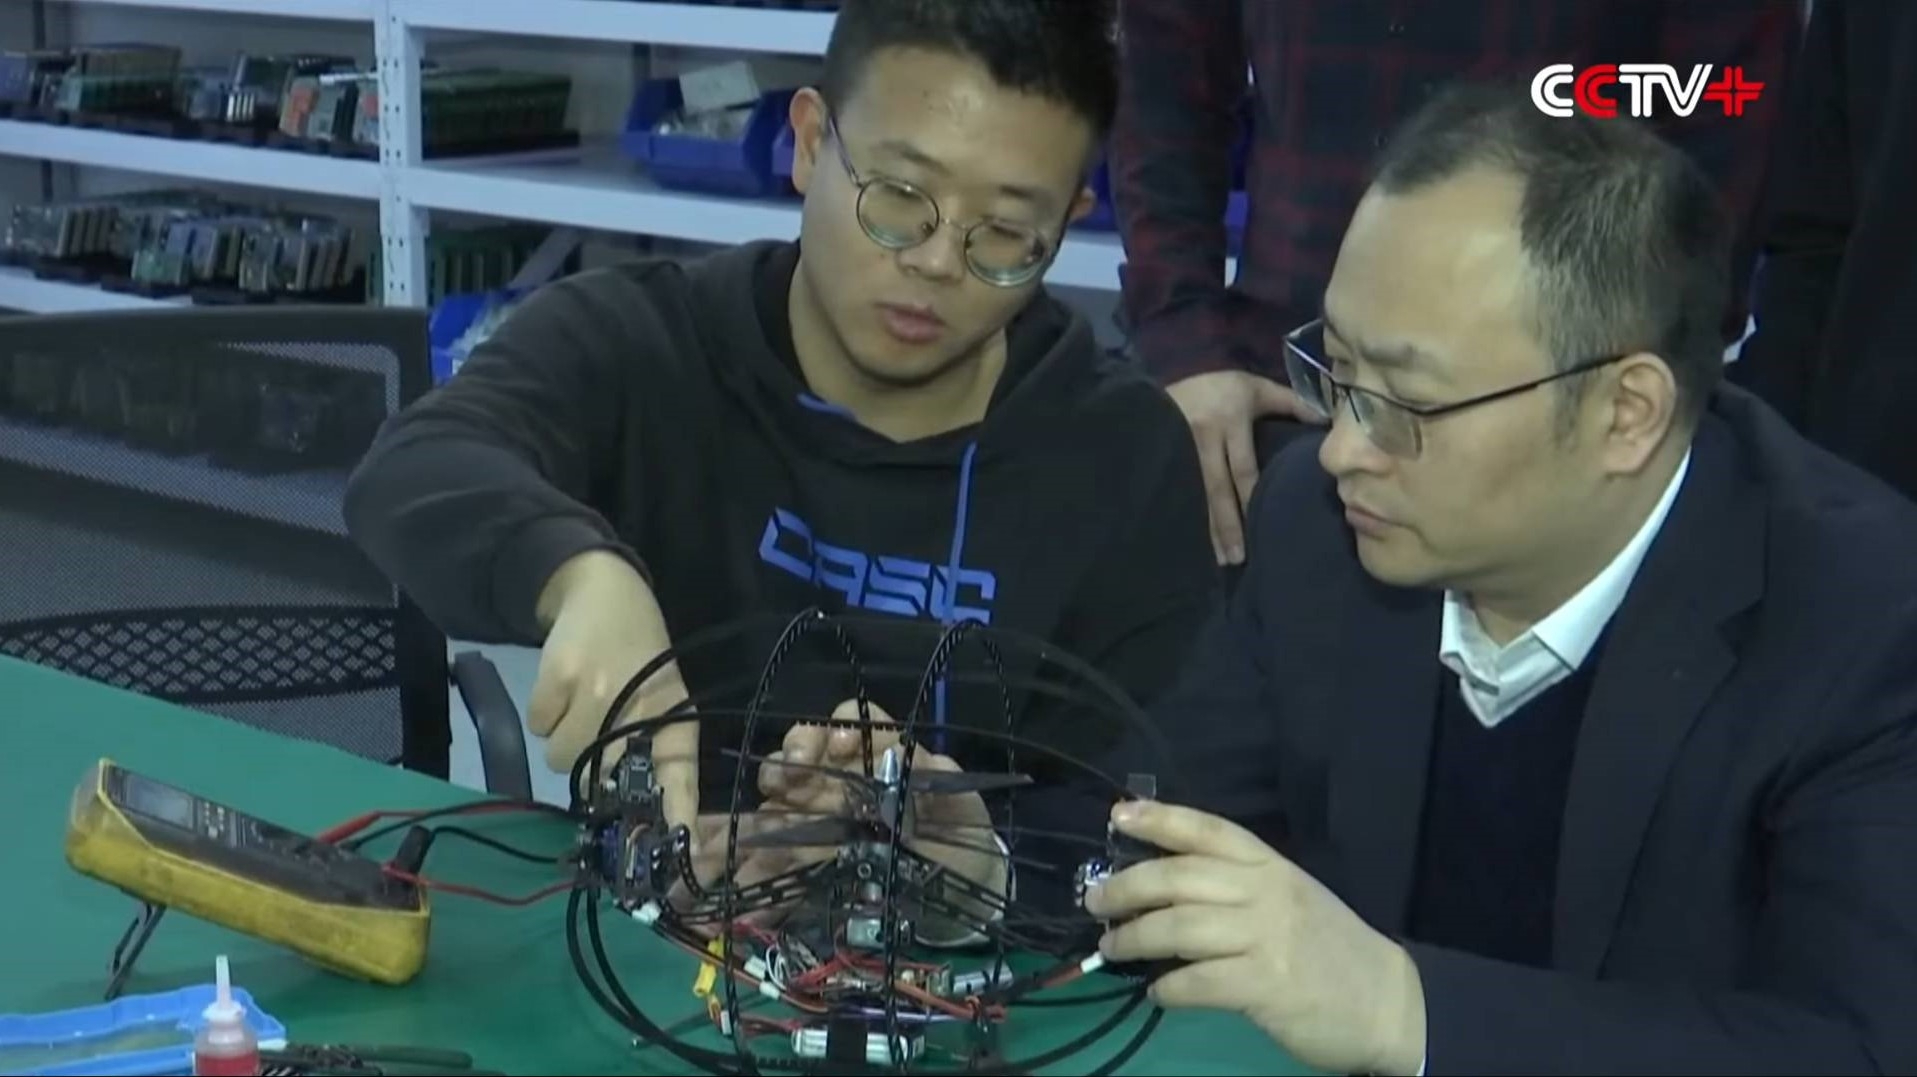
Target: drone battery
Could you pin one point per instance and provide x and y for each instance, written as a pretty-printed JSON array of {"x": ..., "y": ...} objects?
[{"x": 850, "y": 1041}]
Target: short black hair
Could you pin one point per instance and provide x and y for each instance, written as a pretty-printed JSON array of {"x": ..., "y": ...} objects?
[
  {"x": 1062, "y": 50},
  {"x": 1628, "y": 239}
]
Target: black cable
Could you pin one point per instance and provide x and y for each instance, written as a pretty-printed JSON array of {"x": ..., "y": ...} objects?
[
  {"x": 1117, "y": 1062},
  {"x": 1090, "y": 1036},
  {"x": 1092, "y": 999},
  {"x": 470, "y": 807},
  {"x": 614, "y": 1000},
  {"x": 514, "y": 851}
]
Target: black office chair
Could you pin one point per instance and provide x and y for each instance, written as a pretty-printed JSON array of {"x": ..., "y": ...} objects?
[{"x": 170, "y": 491}]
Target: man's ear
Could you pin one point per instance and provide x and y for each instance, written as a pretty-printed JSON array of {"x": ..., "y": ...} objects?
[
  {"x": 1642, "y": 408},
  {"x": 807, "y": 114}
]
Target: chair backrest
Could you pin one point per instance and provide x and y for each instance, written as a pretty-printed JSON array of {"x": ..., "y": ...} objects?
[{"x": 170, "y": 516}]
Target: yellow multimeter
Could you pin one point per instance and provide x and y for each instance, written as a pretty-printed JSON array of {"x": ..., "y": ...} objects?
[{"x": 175, "y": 850}]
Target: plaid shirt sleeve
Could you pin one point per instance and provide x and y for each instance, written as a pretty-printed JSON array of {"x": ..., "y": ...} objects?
[
  {"x": 1334, "y": 78},
  {"x": 1170, "y": 168},
  {"x": 1762, "y": 39}
]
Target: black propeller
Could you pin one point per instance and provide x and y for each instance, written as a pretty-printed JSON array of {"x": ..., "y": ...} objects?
[
  {"x": 816, "y": 832},
  {"x": 937, "y": 782}
]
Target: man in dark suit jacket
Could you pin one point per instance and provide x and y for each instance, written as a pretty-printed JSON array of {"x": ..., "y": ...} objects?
[{"x": 1566, "y": 718}]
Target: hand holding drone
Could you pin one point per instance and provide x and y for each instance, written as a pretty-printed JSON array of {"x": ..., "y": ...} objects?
[
  {"x": 864, "y": 914},
  {"x": 946, "y": 819}
]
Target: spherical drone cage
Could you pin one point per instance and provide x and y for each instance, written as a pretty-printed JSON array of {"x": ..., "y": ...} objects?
[{"x": 905, "y": 1005}]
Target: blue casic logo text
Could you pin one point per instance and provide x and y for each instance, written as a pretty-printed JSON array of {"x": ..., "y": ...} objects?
[{"x": 876, "y": 582}]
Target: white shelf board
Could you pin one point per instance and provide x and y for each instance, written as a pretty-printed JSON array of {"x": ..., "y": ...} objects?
[
  {"x": 338, "y": 10},
  {"x": 21, "y": 291},
  {"x": 702, "y": 26},
  {"x": 599, "y": 190},
  {"x": 207, "y": 162}
]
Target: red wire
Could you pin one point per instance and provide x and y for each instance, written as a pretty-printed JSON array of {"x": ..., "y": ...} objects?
[
  {"x": 438, "y": 887},
  {"x": 342, "y": 831}
]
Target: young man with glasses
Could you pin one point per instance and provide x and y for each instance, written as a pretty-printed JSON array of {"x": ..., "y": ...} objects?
[
  {"x": 1565, "y": 720},
  {"x": 889, "y": 416}
]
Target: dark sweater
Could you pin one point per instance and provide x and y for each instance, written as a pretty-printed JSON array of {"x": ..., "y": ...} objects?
[
  {"x": 655, "y": 409},
  {"x": 1494, "y": 802}
]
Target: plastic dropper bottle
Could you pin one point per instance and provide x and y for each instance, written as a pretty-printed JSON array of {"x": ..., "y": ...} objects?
[{"x": 225, "y": 1045}]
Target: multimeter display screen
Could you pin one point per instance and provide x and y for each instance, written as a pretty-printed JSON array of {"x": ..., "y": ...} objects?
[
  {"x": 162, "y": 802},
  {"x": 250, "y": 848}
]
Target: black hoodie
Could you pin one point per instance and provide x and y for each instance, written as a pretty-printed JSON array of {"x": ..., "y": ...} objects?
[{"x": 656, "y": 409}]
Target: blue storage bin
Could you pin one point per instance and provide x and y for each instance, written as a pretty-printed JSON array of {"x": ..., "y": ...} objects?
[
  {"x": 454, "y": 315},
  {"x": 741, "y": 167},
  {"x": 1104, "y": 216},
  {"x": 134, "y": 1036},
  {"x": 783, "y": 149}
]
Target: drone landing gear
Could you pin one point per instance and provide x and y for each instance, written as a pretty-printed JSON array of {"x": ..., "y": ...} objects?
[{"x": 132, "y": 942}]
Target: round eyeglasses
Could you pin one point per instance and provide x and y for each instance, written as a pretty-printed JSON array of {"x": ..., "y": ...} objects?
[{"x": 898, "y": 216}]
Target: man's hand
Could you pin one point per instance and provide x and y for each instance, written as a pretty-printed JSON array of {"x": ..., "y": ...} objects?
[
  {"x": 753, "y": 865},
  {"x": 1221, "y": 407},
  {"x": 1258, "y": 936},
  {"x": 953, "y": 829},
  {"x": 604, "y": 626}
]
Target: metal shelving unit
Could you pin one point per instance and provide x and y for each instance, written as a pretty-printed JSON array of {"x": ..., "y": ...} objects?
[
  {"x": 594, "y": 189},
  {"x": 214, "y": 162},
  {"x": 21, "y": 290},
  {"x": 332, "y": 10},
  {"x": 702, "y": 26}
]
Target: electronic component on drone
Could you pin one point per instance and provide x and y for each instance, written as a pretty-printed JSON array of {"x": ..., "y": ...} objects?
[
  {"x": 870, "y": 861},
  {"x": 629, "y": 839},
  {"x": 850, "y": 1042},
  {"x": 1121, "y": 849}
]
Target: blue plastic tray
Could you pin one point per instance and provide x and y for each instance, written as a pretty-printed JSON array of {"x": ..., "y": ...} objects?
[
  {"x": 454, "y": 315},
  {"x": 739, "y": 167},
  {"x": 172, "y": 1019}
]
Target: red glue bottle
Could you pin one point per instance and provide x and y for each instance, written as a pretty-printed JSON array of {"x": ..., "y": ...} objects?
[{"x": 225, "y": 1045}]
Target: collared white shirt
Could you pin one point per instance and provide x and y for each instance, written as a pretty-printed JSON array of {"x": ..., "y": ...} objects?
[{"x": 1497, "y": 681}]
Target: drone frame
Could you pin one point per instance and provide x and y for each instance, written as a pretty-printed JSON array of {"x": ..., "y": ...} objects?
[{"x": 663, "y": 856}]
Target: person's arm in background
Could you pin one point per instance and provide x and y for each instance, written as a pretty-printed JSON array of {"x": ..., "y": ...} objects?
[
  {"x": 486, "y": 503},
  {"x": 1807, "y": 223},
  {"x": 1761, "y": 38},
  {"x": 1183, "y": 79}
]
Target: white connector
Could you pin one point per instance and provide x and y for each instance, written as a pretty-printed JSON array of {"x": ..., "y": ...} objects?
[
  {"x": 648, "y": 914},
  {"x": 967, "y": 984},
  {"x": 813, "y": 1043}
]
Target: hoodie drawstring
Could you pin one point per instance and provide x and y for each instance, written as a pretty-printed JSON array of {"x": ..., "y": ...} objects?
[{"x": 947, "y": 608}]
